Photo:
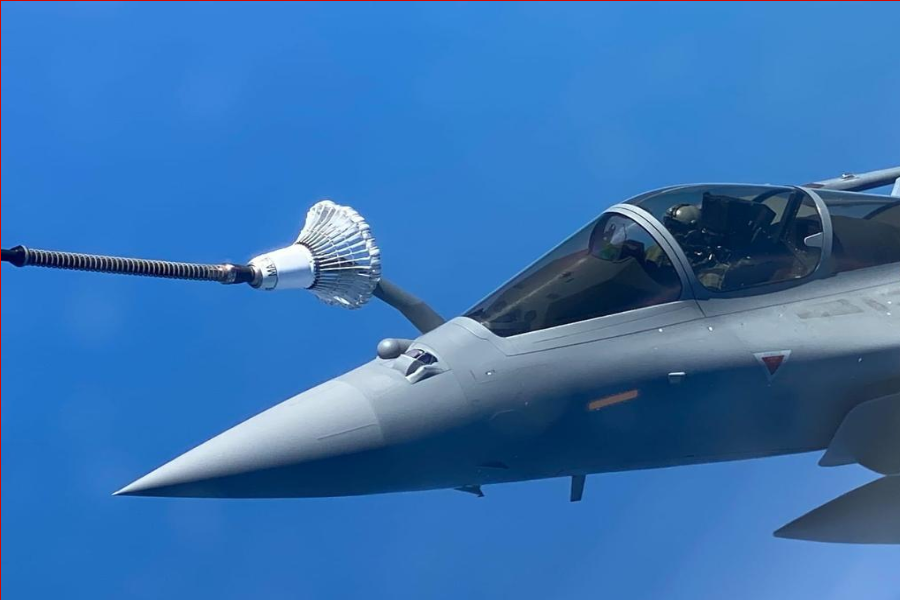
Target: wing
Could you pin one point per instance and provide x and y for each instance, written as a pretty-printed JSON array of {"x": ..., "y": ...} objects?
[
  {"x": 867, "y": 515},
  {"x": 870, "y": 436}
]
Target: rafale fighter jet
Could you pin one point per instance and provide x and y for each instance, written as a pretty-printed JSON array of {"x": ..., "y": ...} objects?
[{"x": 692, "y": 324}]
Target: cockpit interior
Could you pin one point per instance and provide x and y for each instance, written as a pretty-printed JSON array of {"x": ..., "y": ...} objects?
[{"x": 740, "y": 237}]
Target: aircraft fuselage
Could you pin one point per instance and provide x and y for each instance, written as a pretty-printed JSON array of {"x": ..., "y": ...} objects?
[{"x": 681, "y": 383}]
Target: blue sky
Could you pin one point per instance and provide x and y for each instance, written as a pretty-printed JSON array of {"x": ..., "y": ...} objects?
[{"x": 473, "y": 137}]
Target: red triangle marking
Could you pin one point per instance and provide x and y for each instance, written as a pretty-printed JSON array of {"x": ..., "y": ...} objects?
[{"x": 773, "y": 363}]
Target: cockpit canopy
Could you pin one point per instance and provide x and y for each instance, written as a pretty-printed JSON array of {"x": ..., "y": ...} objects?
[
  {"x": 738, "y": 237},
  {"x": 733, "y": 238},
  {"x": 611, "y": 266}
]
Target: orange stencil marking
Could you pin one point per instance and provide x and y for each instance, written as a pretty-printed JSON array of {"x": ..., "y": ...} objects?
[{"x": 613, "y": 400}]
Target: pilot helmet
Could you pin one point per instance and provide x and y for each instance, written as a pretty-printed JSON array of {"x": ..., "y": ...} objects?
[{"x": 682, "y": 217}]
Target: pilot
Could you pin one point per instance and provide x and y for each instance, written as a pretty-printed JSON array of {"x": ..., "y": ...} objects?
[
  {"x": 682, "y": 218},
  {"x": 683, "y": 221}
]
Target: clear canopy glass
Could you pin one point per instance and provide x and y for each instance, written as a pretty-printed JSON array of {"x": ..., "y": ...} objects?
[
  {"x": 866, "y": 229},
  {"x": 736, "y": 236},
  {"x": 611, "y": 266}
]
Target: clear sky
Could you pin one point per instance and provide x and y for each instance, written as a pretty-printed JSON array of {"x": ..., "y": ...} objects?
[{"x": 473, "y": 137}]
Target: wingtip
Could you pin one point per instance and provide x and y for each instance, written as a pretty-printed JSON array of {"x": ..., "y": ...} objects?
[{"x": 867, "y": 515}]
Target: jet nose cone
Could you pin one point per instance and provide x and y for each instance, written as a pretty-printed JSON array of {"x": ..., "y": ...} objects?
[{"x": 276, "y": 453}]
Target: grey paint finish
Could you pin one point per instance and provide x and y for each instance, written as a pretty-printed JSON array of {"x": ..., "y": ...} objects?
[
  {"x": 709, "y": 377},
  {"x": 525, "y": 401},
  {"x": 861, "y": 182},
  {"x": 868, "y": 436},
  {"x": 867, "y": 515}
]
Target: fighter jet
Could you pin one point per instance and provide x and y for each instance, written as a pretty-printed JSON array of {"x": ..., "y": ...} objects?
[{"x": 691, "y": 324}]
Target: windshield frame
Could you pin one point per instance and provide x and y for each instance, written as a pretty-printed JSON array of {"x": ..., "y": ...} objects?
[{"x": 649, "y": 228}]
